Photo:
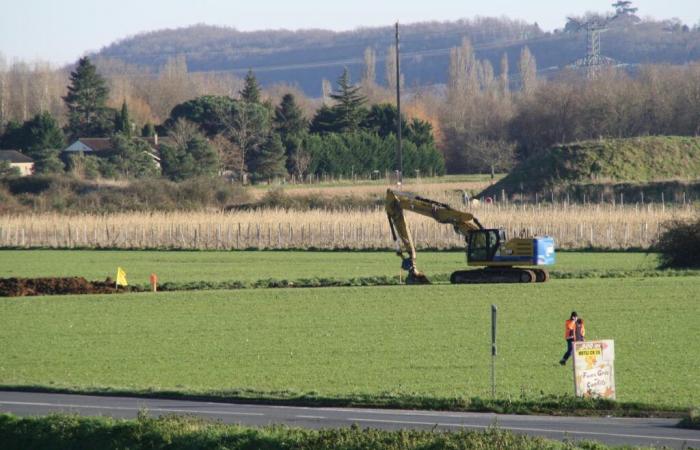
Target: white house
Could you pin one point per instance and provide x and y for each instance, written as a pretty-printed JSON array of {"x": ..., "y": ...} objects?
[{"x": 24, "y": 163}]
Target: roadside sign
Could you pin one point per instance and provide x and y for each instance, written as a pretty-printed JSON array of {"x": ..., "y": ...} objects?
[{"x": 594, "y": 369}]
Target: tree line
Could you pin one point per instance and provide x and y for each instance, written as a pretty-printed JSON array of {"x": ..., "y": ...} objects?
[{"x": 245, "y": 138}]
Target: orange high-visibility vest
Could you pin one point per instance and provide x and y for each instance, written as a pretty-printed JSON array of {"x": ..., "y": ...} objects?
[{"x": 570, "y": 329}]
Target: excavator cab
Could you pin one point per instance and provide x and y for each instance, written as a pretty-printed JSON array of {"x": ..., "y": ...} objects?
[{"x": 483, "y": 245}]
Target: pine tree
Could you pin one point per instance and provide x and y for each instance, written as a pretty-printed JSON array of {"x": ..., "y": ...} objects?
[
  {"x": 251, "y": 89},
  {"x": 86, "y": 101},
  {"x": 289, "y": 120},
  {"x": 348, "y": 109},
  {"x": 122, "y": 122}
]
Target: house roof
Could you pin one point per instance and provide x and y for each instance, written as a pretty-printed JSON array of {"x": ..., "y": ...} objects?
[
  {"x": 14, "y": 156},
  {"x": 97, "y": 144},
  {"x": 105, "y": 144}
]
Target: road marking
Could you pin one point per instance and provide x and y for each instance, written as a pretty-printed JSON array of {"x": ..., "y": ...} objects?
[
  {"x": 538, "y": 430},
  {"x": 131, "y": 408},
  {"x": 309, "y": 417}
]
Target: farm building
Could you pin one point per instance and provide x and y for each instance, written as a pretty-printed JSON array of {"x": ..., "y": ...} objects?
[
  {"x": 103, "y": 147},
  {"x": 24, "y": 163}
]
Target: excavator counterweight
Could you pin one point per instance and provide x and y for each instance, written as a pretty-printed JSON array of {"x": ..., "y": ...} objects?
[{"x": 487, "y": 248}]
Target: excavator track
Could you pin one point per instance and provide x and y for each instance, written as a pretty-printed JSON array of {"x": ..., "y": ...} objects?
[{"x": 499, "y": 275}]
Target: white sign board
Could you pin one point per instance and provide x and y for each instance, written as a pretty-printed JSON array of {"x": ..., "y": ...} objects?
[{"x": 594, "y": 369}]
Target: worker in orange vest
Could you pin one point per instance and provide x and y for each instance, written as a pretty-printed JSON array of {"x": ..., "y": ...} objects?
[{"x": 570, "y": 328}]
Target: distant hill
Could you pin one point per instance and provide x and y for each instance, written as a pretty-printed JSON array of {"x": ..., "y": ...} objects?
[
  {"x": 634, "y": 160},
  {"x": 306, "y": 57}
]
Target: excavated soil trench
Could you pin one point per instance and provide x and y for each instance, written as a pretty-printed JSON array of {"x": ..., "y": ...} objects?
[{"x": 22, "y": 287}]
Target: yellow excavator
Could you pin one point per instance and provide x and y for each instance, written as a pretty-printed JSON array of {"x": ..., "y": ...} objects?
[{"x": 501, "y": 260}]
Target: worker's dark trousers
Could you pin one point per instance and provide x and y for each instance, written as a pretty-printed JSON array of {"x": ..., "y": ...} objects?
[{"x": 569, "y": 349}]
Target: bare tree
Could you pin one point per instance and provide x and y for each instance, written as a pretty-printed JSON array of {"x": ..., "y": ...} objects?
[
  {"x": 301, "y": 160},
  {"x": 528, "y": 72},
  {"x": 504, "y": 78},
  {"x": 369, "y": 73},
  {"x": 390, "y": 69},
  {"x": 4, "y": 91},
  {"x": 326, "y": 91},
  {"x": 231, "y": 156},
  {"x": 182, "y": 132},
  {"x": 463, "y": 72}
]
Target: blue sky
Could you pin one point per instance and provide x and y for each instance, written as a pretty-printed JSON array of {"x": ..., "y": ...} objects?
[{"x": 60, "y": 31}]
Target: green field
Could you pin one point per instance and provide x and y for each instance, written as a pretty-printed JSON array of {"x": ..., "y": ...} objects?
[
  {"x": 429, "y": 340},
  {"x": 251, "y": 266},
  {"x": 459, "y": 178}
]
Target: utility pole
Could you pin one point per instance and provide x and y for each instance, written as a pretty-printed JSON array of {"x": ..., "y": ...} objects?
[
  {"x": 398, "y": 107},
  {"x": 494, "y": 312}
]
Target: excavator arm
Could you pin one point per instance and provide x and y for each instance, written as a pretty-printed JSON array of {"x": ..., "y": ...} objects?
[{"x": 397, "y": 202}]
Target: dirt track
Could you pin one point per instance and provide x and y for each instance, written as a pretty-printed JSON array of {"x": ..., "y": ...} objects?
[{"x": 22, "y": 287}]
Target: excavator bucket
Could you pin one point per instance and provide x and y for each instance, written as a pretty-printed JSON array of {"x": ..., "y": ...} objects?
[{"x": 417, "y": 278}]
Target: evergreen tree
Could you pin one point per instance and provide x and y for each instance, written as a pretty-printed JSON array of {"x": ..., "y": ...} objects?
[
  {"x": 270, "y": 161},
  {"x": 148, "y": 130},
  {"x": 14, "y": 136},
  {"x": 40, "y": 138},
  {"x": 291, "y": 125},
  {"x": 86, "y": 102},
  {"x": 420, "y": 133},
  {"x": 195, "y": 158},
  {"x": 132, "y": 157},
  {"x": 324, "y": 121},
  {"x": 251, "y": 89},
  {"x": 43, "y": 132},
  {"x": 122, "y": 121},
  {"x": 48, "y": 161},
  {"x": 382, "y": 120},
  {"x": 348, "y": 109},
  {"x": 289, "y": 120}
]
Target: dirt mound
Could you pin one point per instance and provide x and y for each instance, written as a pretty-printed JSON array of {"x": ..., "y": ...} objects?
[{"x": 22, "y": 287}]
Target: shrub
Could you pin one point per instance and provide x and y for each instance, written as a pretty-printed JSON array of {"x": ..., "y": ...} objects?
[
  {"x": 65, "y": 194},
  {"x": 679, "y": 244}
]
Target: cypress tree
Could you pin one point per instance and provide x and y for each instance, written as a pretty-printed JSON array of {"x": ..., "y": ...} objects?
[
  {"x": 86, "y": 101},
  {"x": 148, "y": 130},
  {"x": 251, "y": 89},
  {"x": 122, "y": 122}
]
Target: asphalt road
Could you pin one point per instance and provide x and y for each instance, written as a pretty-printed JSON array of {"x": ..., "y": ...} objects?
[{"x": 612, "y": 431}]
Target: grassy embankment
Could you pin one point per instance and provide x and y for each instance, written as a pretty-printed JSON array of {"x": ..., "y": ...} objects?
[
  {"x": 70, "y": 432},
  {"x": 653, "y": 165}
]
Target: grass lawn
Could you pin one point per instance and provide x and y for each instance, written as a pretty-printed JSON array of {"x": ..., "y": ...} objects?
[
  {"x": 176, "y": 266},
  {"x": 431, "y": 340}
]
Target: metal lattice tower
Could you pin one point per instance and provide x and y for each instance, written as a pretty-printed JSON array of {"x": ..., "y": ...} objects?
[{"x": 593, "y": 59}]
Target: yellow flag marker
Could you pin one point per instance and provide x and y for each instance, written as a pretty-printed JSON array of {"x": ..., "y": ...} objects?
[{"x": 121, "y": 277}]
